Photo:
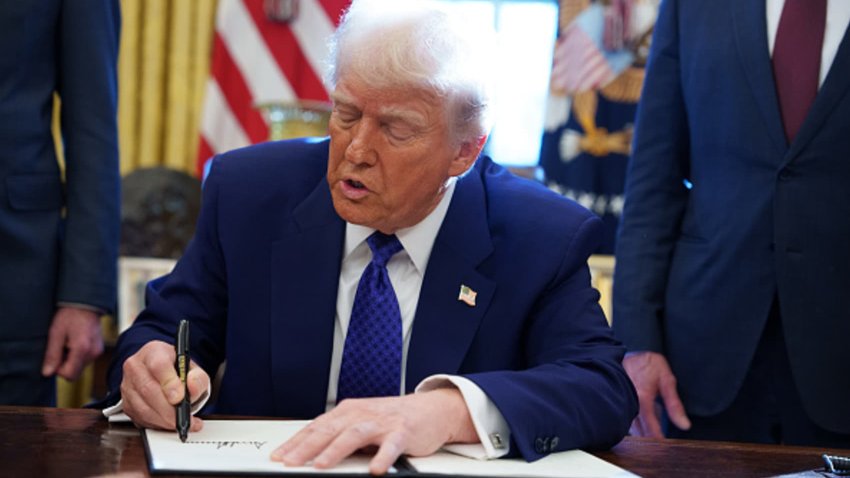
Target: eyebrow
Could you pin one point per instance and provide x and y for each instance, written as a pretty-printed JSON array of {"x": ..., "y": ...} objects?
[
  {"x": 411, "y": 118},
  {"x": 342, "y": 99},
  {"x": 388, "y": 114}
]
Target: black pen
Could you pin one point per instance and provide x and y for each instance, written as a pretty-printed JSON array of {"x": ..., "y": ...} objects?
[{"x": 183, "y": 409}]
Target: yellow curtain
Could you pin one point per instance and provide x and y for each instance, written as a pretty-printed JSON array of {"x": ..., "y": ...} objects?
[{"x": 163, "y": 66}]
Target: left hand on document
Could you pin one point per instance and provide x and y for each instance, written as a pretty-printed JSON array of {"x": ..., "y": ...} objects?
[{"x": 417, "y": 424}]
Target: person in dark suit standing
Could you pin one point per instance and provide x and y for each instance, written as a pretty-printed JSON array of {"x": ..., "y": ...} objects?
[
  {"x": 335, "y": 275},
  {"x": 58, "y": 241},
  {"x": 730, "y": 290}
]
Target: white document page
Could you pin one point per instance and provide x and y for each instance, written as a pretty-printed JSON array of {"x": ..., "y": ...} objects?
[
  {"x": 244, "y": 446},
  {"x": 234, "y": 446},
  {"x": 565, "y": 464}
]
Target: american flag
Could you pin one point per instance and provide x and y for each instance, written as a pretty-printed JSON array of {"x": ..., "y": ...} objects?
[
  {"x": 581, "y": 61},
  {"x": 578, "y": 63},
  {"x": 258, "y": 57}
]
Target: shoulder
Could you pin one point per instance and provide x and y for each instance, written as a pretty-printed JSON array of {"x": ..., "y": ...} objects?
[
  {"x": 530, "y": 227},
  {"x": 291, "y": 165},
  {"x": 526, "y": 205},
  {"x": 526, "y": 218}
]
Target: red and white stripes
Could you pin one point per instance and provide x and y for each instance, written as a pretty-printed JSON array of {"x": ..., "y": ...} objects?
[
  {"x": 578, "y": 64},
  {"x": 256, "y": 60}
]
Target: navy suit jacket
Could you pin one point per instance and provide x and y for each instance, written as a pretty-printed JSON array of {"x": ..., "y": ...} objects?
[
  {"x": 48, "y": 255},
  {"x": 259, "y": 284},
  {"x": 698, "y": 268}
]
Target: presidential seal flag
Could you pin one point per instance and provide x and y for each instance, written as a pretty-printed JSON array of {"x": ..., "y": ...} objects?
[
  {"x": 597, "y": 75},
  {"x": 264, "y": 51}
]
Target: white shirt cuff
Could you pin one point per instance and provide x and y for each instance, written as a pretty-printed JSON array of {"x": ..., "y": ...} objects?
[
  {"x": 491, "y": 427},
  {"x": 115, "y": 413}
]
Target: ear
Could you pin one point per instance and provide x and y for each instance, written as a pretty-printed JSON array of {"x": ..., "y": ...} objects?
[{"x": 466, "y": 156}]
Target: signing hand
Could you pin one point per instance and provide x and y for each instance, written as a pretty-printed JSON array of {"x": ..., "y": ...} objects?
[
  {"x": 416, "y": 424},
  {"x": 150, "y": 387},
  {"x": 72, "y": 342},
  {"x": 652, "y": 377}
]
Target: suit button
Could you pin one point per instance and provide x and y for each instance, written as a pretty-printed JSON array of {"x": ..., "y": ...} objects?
[{"x": 540, "y": 445}]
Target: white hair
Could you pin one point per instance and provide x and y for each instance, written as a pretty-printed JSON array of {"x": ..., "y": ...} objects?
[{"x": 418, "y": 44}]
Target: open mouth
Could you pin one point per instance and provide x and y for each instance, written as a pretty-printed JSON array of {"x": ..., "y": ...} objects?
[{"x": 355, "y": 184}]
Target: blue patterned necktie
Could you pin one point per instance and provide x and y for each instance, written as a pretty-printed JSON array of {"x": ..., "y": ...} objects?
[{"x": 371, "y": 357}]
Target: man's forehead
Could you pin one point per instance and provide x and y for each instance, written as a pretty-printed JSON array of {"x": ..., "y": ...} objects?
[{"x": 391, "y": 101}]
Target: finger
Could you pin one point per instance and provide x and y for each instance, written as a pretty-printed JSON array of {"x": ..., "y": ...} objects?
[
  {"x": 198, "y": 382},
  {"x": 160, "y": 364},
  {"x": 53, "y": 354},
  {"x": 144, "y": 415},
  {"x": 197, "y": 424},
  {"x": 140, "y": 412},
  {"x": 673, "y": 404},
  {"x": 95, "y": 346},
  {"x": 307, "y": 443},
  {"x": 351, "y": 439},
  {"x": 650, "y": 427},
  {"x": 140, "y": 382},
  {"x": 72, "y": 366},
  {"x": 636, "y": 428},
  {"x": 291, "y": 444},
  {"x": 388, "y": 453}
]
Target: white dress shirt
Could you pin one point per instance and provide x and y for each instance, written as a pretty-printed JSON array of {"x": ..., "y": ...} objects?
[
  {"x": 837, "y": 19},
  {"x": 406, "y": 270}
]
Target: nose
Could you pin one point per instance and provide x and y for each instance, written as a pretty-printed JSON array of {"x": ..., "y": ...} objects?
[{"x": 361, "y": 148}]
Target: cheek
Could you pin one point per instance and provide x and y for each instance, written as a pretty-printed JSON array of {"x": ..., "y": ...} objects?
[{"x": 335, "y": 157}]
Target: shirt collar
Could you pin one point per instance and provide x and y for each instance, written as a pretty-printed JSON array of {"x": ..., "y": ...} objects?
[{"x": 418, "y": 240}]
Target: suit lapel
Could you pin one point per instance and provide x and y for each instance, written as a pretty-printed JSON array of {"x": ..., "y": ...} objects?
[
  {"x": 304, "y": 285},
  {"x": 835, "y": 86},
  {"x": 750, "y": 26},
  {"x": 444, "y": 326}
]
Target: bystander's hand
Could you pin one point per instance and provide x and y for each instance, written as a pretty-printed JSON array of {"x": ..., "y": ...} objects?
[
  {"x": 73, "y": 341},
  {"x": 417, "y": 425},
  {"x": 652, "y": 378},
  {"x": 151, "y": 388}
]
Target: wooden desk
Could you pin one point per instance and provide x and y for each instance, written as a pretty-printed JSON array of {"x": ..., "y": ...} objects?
[{"x": 67, "y": 443}]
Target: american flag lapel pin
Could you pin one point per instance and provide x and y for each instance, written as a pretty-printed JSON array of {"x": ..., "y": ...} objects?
[{"x": 467, "y": 295}]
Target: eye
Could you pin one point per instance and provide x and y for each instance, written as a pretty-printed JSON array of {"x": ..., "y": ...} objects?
[
  {"x": 346, "y": 117},
  {"x": 399, "y": 131}
]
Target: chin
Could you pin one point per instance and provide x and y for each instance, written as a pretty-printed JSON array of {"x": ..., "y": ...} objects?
[{"x": 350, "y": 212}]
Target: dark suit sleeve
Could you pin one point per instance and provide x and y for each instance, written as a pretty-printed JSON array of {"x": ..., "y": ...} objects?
[
  {"x": 574, "y": 393},
  {"x": 655, "y": 194},
  {"x": 87, "y": 86},
  {"x": 195, "y": 290}
]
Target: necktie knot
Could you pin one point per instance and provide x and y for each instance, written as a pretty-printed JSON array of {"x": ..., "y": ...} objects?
[{"x": 383, "y": 247}]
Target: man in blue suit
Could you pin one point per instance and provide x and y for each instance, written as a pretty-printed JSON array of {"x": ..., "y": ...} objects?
[
  {"x": 499, "y": 332},
  {"x": 733, "y": 264},
  {"x": 58, "y": 242}
]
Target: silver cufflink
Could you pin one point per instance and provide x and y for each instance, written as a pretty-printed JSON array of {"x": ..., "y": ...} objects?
[{"x": 496, "y": 441}]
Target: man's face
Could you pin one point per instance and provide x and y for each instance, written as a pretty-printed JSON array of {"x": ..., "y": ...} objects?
[{"x": 390, "y": 154}]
